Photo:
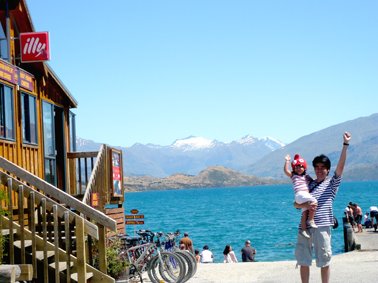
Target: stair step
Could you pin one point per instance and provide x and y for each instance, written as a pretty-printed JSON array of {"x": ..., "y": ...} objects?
[
  {"x": 87, "y": 276},
  {"x": 39, "y": 254},
  {"x": 5, "y": 232},
  {"x": 62, "y": 265},
  {"x": 28, "y": 243}
]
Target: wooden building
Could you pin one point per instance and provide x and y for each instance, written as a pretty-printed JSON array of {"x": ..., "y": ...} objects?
[
  {"x": 35, "y": 118},
  {"x": 50, "y": 188}
]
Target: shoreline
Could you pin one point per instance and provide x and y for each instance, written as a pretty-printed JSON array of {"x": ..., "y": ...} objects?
[{"x": 355, "y": 266}]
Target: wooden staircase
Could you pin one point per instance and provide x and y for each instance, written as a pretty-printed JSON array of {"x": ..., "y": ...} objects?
[{"x": 51, "y": 230}]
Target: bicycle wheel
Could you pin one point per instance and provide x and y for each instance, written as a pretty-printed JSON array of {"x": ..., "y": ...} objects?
[
  {"x": 190, "y": 261},
  {"x": 134, "y": 274},
  {"x": 167, "y": 267},
  {"x": 153, "y": 270},
  {"x": 172, "y": 267}
]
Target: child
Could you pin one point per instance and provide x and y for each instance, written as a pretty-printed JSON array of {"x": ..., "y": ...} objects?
[{"x": 300, "y": 185}]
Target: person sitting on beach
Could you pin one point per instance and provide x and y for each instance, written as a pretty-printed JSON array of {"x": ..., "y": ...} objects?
[
  {"x": 374, "y": 214},
  {"x": 229, "y": 255},
  {"x": 367, "y": 221},
  {"x": 182, "y": 247},
  {"x": 248, "y": 252},
  {"x": 300, "y": 185},
  {"x": 187, "y": 242},
  {"x": 206, "y": 255},
  {"x": 197, "y": 256}
]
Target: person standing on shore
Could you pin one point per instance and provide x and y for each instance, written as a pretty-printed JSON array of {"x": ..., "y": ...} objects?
[
  {"x": 357, "y": 214},
  {"x": 248, "y": 252},
  {"x": 187, "y": 242},
  {"x": 300, "y": 180},
  {"x": 324, "y": 189}
]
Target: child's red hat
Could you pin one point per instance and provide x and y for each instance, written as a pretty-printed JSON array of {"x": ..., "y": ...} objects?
[{"x": 298, "y": 160}]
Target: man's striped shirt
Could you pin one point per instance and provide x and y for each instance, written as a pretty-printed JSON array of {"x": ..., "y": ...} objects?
[{"x": 325, "y": 193}]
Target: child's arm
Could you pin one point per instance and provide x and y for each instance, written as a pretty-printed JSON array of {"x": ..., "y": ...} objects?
[{"x": 286, "y": 166}]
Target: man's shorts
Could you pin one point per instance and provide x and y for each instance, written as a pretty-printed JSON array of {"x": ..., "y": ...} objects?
[
  {"x": 358, "y": 219},
  {"x": 321, "y": 241}
]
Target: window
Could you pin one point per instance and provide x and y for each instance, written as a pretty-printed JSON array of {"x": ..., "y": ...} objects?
[
  {"x": 6, "y": 112},
  {"x": 72, "y": 131},
  {"x": 3, "y": 44},
  {"x": 29, "y": 119},
  {"x": 49, "y": 142}
]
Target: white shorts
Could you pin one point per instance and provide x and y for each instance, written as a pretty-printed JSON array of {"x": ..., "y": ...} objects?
[{"x": 303, "y": 197}]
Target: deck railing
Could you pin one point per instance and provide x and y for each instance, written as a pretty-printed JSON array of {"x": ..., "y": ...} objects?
[{"x": 41, "y": 206}]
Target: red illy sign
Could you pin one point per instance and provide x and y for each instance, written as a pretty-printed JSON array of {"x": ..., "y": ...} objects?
[{"x": 34, "y": 46}]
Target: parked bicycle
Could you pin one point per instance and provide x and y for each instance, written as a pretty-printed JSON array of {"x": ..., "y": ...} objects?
[
  {"x": 148, "y": 257},
  {"x": 188, "y": 257}
]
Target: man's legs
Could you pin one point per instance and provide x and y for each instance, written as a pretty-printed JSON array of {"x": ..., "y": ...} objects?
[
  {"x": 305, "y": 274},
  {"x": 323, "y": 251},
  {"x": 303, "y": 254},
  {"x": 325, "y": 273}
]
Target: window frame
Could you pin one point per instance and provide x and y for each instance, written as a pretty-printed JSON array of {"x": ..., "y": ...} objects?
[
  {"x": 26, "y": 128},
  {"x": 4, "y": 112}
]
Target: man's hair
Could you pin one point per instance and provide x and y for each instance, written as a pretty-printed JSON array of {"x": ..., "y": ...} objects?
[{"x": 323, "y": 160}]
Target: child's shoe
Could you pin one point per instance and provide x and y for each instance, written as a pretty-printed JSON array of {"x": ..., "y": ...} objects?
[
  {"x": 304, "y": 234},
  {"x": 312, "y": 224}
]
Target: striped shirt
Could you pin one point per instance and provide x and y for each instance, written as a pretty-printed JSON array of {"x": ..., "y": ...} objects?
[
  {"x": 325, "y": 193},
  {"x": 300, "y": 183}
]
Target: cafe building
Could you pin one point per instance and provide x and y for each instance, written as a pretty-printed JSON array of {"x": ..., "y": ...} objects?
[{"x": 51, "y": 193}]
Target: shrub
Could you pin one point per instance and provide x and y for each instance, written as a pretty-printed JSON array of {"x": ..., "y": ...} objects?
[{"x": 117, "y": 264}]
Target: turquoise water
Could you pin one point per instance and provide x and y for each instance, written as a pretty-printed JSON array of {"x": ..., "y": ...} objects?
[{"x": 219, "y": 216}]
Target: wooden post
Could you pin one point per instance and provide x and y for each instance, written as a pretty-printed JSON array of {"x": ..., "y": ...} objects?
[
  {"x": 21, "y": 221},
  {"x": 67, "y": 234},
  {"x": 102, "y": 249},
  {"x": 32, "y": 229},
  {"x": 10, "y": 216},
  {"x": 80, "y": 248},
  {"x": 56, "y": 242},
  {"x": 44, "y": 229}
]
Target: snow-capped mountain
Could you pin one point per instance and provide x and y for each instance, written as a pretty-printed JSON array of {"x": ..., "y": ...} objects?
[
  {"x": 193, "y": 143},
  {"x": 191, "y": 155}
]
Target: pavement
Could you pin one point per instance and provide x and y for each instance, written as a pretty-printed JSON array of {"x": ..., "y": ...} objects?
[{"x": 359, "y": 266}]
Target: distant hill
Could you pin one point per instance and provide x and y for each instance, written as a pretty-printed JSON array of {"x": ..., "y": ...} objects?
[
  {"x": 216, "y": 176},
  {"x": 362, "y": 161}
]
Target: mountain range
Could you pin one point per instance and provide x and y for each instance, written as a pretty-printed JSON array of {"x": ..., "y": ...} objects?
[
  {"x": 251, "y": 156},
  {"x": 190, "y": 155}
]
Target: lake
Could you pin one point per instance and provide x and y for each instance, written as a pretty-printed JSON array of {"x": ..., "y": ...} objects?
[{"x": 219, "y": 216}]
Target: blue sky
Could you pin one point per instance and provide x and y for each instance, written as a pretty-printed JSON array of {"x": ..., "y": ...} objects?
[{"x": 156, "y": 71}]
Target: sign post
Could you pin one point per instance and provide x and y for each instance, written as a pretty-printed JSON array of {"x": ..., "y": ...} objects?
[{"x": 134, "y": 218}]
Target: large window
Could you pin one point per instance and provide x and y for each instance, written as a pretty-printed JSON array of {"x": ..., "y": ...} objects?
[
  {"x": 6, "y": 112},
  {"x": 29, "y": 118},
  {"x": 49, "y": 142}
]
